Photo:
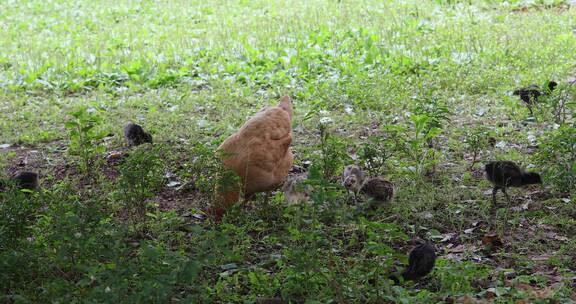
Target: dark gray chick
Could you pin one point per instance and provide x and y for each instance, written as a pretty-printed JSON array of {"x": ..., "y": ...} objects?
[{"x": 135, "y": 135}]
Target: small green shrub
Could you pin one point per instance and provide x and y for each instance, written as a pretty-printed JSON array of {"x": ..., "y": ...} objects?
[
  {"x": 374, "y": 154},
  {"x": 18, "y": 257},
  {"x": 416, "y": 141},
  {"x": 459, "y": 277},
  {"x": 476, "y": 140},
  {"x": 557, "y": 157},
  {"x": 333, "y": 151},
  {"x": 141, "y": 174},
  {"x": 84, "y": 135},
  {"x": 18, "y": 210},
  {"x": 209, "y": 170}
]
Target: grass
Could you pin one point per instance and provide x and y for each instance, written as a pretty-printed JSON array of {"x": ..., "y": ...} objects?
[{"x": 426, "y": 83}]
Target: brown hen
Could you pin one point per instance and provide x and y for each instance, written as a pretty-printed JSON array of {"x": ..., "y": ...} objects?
[{"x": 259, "y": 153}]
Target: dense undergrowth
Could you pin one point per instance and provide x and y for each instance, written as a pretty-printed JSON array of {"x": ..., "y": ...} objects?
[{"x": 417, "y": 91}]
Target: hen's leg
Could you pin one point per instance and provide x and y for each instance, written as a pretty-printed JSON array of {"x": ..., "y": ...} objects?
[
  {"x": 494, "y": 191},
  {"x": 351, "y": 196},
  {"x": 507, "y": 197}
]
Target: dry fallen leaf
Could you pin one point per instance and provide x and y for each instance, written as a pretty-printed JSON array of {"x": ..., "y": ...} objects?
[
  {"x": 114, "y": 155},
  {"x": 492, "y": 242},
  {"x": 538, "y": 258},
  {"x": 457, "y": 249},
  {"x": 469, "y": 300},
  {"x": 173, "y": 184},
  {"x": 522, "y": 207},
  {"x": 426, "y": 215},
  {"x": 523, "y": 286},
  {"x": 554, "y": 235},
  {"x": 447, "y": 237},
  {"x": 270, "y": 301},
  {"x": 490, "y": 294},
  {"x": 544, "y": 293}
]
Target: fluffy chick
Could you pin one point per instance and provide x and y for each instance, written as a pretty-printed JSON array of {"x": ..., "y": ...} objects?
[
  {"x": 352, "y": 178},
  {"x": 135, "y": 135},
  {"x": 503, "y": 174},
  {"x": 23, "y": 180},
  {"x": 295, "y": 191},
  {"x": 378, "y": 189},
  {"x": 420, "y": 262},
  {"x": 27, "y": 180},
  {"x": 531, "y": 93}
]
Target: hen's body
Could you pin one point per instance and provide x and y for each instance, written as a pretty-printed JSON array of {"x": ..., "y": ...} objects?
[{"x": 259, "y": 153}]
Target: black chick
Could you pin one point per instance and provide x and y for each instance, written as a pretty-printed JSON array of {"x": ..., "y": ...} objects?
[
  {"x": 135, "y": 135},
  {"x": 531, "y": 93},
  {"x": 420, "y": 262},
  {"x": 503, "y": 174},
  {"x": 26, "y": 180}
]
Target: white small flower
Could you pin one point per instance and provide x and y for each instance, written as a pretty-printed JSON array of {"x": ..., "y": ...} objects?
[
  {"x": 90, "y": 58},
  {"x": 349, "y": 110},
  {"x": 77, "y": 235},
  {"x": 173, "y": 108},
  {"x": 107, "y": 289},
  {"x": 531, "y": 139},
  {"x": 501, "y": 144},
  {"x": 202, "y": 123},
  {"x": 326, "y": 120}
]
